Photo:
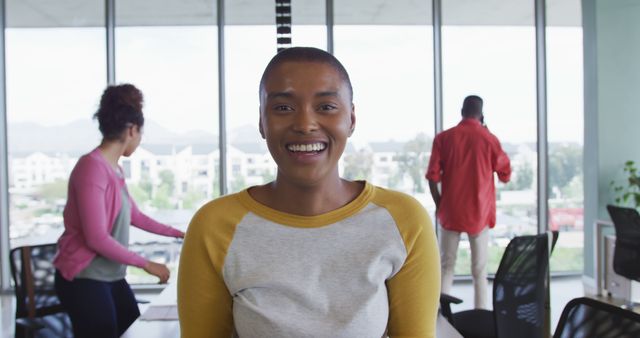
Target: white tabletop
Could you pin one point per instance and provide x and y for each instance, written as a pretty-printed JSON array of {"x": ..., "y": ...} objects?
[
  {"x": 161, "y": 310},
  {"x": 170, "y": 328}
]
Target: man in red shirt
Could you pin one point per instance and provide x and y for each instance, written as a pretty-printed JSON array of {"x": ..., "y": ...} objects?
[{"x": 464, "y": 159}]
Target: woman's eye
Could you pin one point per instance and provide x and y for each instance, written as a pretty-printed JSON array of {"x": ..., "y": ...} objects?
[
  {"x": 326, "y": 107},
  {"x": 282, "y": 108}
]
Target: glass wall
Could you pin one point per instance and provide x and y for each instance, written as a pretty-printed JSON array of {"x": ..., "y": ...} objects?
[
  {"x": 250, "y": 42},
  {"x": 388, "y": 52},
  {"x": 56, "y": 71},
  {"x": 55, "y": 62},
  {"x": 170, "y": 54},
  {"x": 488, "y": 49},
  {"x": 565, "y": 121}
]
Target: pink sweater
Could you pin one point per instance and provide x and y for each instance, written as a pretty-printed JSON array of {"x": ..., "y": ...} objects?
[{"x": 93, "y": 203}]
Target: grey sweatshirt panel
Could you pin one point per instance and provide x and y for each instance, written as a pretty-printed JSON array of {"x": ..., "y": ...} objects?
[
  {"x": 313, "y": 282},
  {"x": 102, "y": 268}
]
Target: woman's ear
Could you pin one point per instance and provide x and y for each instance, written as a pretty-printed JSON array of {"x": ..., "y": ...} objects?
[
  {"x": 260, "y": 127},
  {"x": 127, "y": 133},
  {"x": 353, "y": 119}
]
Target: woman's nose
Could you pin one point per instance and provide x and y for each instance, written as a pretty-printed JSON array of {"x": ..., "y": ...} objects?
[{"x": 304, "y": 121}]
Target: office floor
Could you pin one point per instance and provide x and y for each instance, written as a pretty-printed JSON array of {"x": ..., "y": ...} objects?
[
  {"x": 6, "y": 315},
  {"x": 563, "y": 289}
]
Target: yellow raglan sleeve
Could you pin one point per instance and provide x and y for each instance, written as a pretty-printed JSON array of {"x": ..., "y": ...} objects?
[
  {"x": 204, "y": 302},
  {"x": 414, "y": 292}
]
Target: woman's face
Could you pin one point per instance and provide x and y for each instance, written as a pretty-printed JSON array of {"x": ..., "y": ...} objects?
[
  {"x": 133, "y": 138},
  {"x": 306, "y": 117}
]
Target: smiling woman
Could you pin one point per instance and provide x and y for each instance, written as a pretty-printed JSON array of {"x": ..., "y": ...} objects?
[
  {"x": 303, "y": 103},
  {"x": 310, "y": 252}
]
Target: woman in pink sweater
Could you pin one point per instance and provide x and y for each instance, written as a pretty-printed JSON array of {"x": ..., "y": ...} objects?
[{"x": 93, "y": 250}]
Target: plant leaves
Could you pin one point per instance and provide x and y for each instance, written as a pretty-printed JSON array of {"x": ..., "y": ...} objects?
[{"x": 630, "y": 190}]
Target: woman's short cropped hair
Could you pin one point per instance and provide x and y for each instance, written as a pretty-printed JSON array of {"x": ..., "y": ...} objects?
[
  {"x": 120, "y": 108},
  {"x": 306, "y": 54}
]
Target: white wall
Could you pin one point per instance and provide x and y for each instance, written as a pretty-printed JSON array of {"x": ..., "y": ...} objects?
[{"x": 612, "y": 103}]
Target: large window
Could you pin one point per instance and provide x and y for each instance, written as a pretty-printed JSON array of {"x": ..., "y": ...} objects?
[
  {"x": 490, "y": 51},
  {"x": 55, "y": 61},
  {"x": 56, "y": 70},
  {"x": 170, "y": 54},
  {"x": 565, "y": 128},
  {"x": 250, "y": 44},
  {"x": 388, "y": 53}
]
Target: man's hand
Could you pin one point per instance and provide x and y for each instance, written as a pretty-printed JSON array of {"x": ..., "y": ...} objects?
[
  {"x": 435, "y": 194},
  {"x": 159, "y": 270}
]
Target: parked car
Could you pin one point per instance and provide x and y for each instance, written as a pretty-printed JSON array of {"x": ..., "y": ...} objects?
[{"x": 566, "y": 219}]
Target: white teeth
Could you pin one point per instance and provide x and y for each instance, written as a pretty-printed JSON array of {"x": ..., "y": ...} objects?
[{"x": 306, "y": 147}]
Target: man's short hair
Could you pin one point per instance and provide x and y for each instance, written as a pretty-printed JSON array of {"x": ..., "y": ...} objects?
[
  {"x": 306, "y": 54},
  {"x": 472, "y": 106}
]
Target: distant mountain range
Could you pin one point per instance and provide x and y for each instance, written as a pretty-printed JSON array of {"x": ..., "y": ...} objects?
[{"x": 80, "y": 136}]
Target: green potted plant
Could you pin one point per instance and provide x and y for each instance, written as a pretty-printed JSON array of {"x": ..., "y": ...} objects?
[{"x": 628, "y": 194}]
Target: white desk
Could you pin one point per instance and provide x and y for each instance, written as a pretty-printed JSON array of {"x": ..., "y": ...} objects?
[
  {"x": 598, "y": 253},
  {"x": 157, "y": 328},
  {"x": 171, "y": 328}
]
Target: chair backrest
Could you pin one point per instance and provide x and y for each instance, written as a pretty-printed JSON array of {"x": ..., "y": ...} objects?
[
  {"x": 33, "y": 275},
  {"x": 586, "y": 317},
  {"x": 626, "y": 256},
  {"x": 520, "y": 287}
]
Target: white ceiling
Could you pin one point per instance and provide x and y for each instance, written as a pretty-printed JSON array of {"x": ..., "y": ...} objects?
[{"x": 82, "y": 13}]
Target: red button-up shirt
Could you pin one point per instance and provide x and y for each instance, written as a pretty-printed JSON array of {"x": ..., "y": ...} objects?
[{"x": 464, "y": 159}]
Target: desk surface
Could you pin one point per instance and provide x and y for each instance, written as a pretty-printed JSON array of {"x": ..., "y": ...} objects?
[
  {"x": 157, "y": 328},
  {"x": 171, "y": 328}
]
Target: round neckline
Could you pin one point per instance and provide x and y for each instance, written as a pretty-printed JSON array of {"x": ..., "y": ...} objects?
[{"x": 300, "y": 221}]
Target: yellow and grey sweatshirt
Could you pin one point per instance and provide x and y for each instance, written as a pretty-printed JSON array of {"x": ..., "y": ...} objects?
[{"x": 367, "y": 268}]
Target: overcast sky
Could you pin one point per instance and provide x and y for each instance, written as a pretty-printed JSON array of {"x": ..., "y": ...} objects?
[{"x": 55, "y": 76}]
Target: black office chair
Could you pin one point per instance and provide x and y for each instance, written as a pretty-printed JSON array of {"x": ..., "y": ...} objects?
[
  {"x": 38, "y": 310},
  {"x": 520, "y": 294},
  {"x": 626, "y": 256},
  {"x": 585, "y": 318}
]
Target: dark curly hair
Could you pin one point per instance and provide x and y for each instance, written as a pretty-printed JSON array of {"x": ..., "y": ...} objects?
[{"x": 120, "y": 107}]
